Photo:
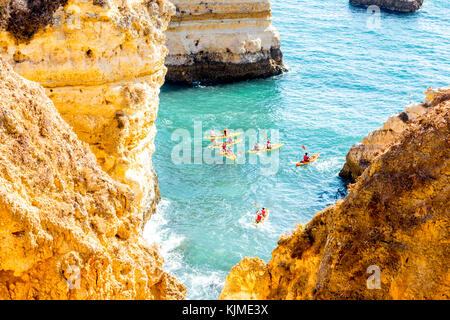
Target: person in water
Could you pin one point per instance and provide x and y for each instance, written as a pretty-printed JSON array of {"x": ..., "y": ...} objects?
[
  {"x": 256, "y": 147},
  {"x": 306, "y": 158},
  {"x": 224, "y": 147},
  {"x": 268, "y": 145},
  {"x": 230, "y": 140},
  {"x": 229, "y": 151}
]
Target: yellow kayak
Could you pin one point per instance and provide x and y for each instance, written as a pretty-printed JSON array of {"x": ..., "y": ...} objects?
[
  {"x": 274, "y": 147},
  {"x": 219, "y": 145},
  {"x": 231, "y": 157},
  {"x": 221, "y": 137},
  {"x": 263, "y": 219},
  {"x": 311, "y": 159}
]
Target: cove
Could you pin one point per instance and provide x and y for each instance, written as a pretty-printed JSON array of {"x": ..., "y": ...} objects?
[{"x": 344, "y": 81}]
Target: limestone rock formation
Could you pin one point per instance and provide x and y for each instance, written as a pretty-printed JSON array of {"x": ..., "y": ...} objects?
[
  {"x": 362, "y": 154},
  {"x": 394, "y": 220},
  {"x": 67, "y": 229},
  {"x": 102, "y": 64},
  {"x": 222, "y": 41},
  {"x": 392, "y": 5}
]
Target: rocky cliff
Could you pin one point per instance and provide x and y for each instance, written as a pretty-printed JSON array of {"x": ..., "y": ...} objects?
[
  {"x": 102, "y": 64},
  {"x": 392, "y": 5},
  {"x": 388, "y": 239},
  {"x": 362, "y": 154},
  {"x": 67, "y": 229},
  {"x": 222, "y": 41}
]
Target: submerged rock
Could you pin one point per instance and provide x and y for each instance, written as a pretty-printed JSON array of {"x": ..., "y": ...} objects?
[
  {"x": 67, "y": 229},
  {"x": 388, "y": 239},
  {"x": 222, "y": 41},
  {"x": 392, "y": 5}
]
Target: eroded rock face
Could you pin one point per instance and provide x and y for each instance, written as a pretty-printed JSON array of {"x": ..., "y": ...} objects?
[
  {"x": 67, "y": 229},
  {"x": 394, "y": 218},
  {"x": 392, "y": 5},
  {"x": 222, "y": 41},
  {"x": 102, "y": 64},
  {"x": 362, "y": 154}
]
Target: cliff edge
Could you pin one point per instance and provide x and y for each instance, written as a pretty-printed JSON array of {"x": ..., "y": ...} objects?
[
  {"x": 67, "y": 229},
  {"x": 388, "y": 239},
  {"x": 102, "y": 64}
]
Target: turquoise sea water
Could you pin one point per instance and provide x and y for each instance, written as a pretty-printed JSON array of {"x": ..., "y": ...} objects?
[{"x": 345, "y": 79}]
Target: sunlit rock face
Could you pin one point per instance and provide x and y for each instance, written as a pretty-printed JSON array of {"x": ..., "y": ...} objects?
[
  {"x": 391, "y": 5},
  {"x": 362, "y": 154},
  {"x": 102, "y": 64},
  {"x": 222, "y": 41},
  {"x": 388, "y": 239},
  {"x": 67, "y": 229}
]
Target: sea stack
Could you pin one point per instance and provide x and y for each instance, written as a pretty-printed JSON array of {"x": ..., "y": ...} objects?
[
  {"x": 391, "y": 5},
  {"x": 388, "y": 239},
  {"x": 222, "y": 41},
  {"x": 102, "y": 65}
]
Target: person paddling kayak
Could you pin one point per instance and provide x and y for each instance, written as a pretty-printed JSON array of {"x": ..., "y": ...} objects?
[
  {"x": 258, "y": 217},
  {"x": 263, "y": 212},
  {"x": 226, "y": 132},
  {"x": 224, "y": 147},
  {"x": 268, "y": 145},
  {"x": 306, "y": 158}
]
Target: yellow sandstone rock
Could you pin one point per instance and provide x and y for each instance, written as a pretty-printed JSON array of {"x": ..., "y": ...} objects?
[
  {"x": 394, "y": 223},
  {"x": 362, "y": 154},
  {"x": 67, "y": 229},
  {"x": 102, "y": 64}
]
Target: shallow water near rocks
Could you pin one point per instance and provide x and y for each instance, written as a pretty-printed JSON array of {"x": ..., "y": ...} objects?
[{"x": 345, "y": 79}]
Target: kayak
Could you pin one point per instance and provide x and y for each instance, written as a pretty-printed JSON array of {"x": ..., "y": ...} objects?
[
  {"x": 219, "y": 145},
  {"x": 231, "y": 157},
  {"x": 220, "y": 137},
  {"x": 274, "y": 147},
  {"x": 263, "y": 219},
  {"x": 312, "y": 159}
]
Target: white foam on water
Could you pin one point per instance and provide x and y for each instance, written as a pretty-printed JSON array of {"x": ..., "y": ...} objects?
[
  {"x": 328, "y": 164},
  {"x": 201, "y": 284},
  {"x": 156, "y": 231},
  {"x": 248, "y": 222}
]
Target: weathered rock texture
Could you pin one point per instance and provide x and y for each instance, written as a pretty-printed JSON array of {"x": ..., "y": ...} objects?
[
  {"x": 395, "y": 217},
  {"x": 67, "y": 229},
  {"x": 102, "y": 64},
  {"x": 392, "y": 5},
  {"x": 362, "y": 154},
  {"x": 222, "y": 41}
]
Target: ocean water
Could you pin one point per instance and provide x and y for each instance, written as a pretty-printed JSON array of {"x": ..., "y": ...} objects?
[{"x": 349, "y": 70}]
